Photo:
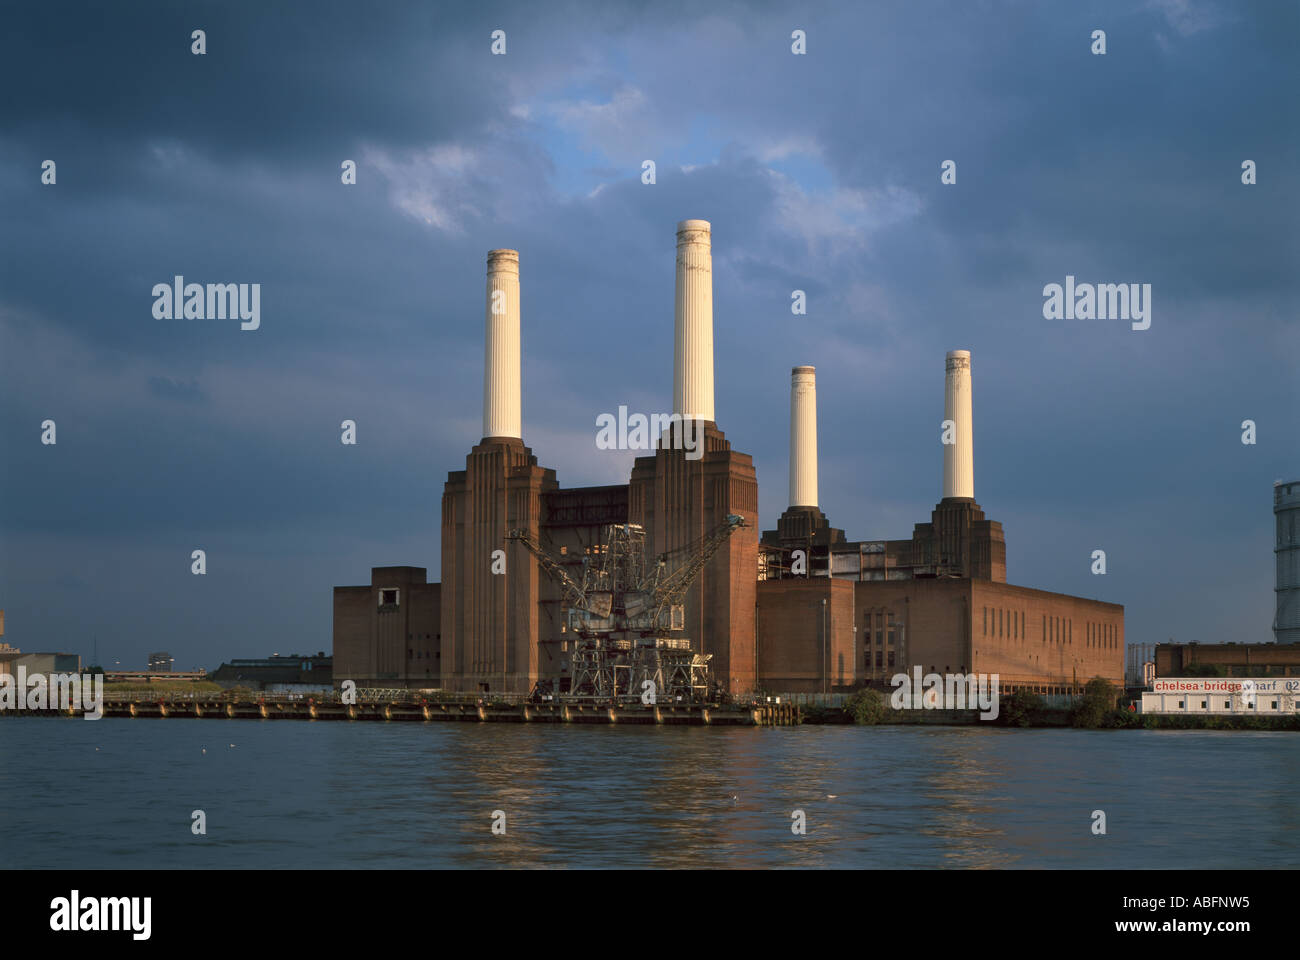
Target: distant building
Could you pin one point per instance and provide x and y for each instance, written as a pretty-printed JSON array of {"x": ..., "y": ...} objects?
[
  {"x": 276, "y": 674},
  {"x": 1227, "y": 659},
  {"x": 152, "y": 676},
  {"x": 44, "y": 664},
  {"x": 160, "y": 662},
  {"x": 1138, "y": 656},
  {"x": 8, "y": 655}
]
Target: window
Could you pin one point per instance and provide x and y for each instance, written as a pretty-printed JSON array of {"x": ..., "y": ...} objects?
[
  {"x": 879, "y": 658},
  {"x": 891, "y": 658},
  {"x": 1227, "y": 704},
  {"x": 1274, "y": 705},
  {"x": 1180, "y": 704},
  {"x": 1203, "y": 704},
  {"x": 388, "y": 597},
  {"x": 986, "y": 621}
]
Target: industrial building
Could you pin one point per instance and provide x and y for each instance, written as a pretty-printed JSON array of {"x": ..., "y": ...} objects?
[
  {"x": 294, "y": 673},
  {"x": 1253, "y": 696},
  {"x": 938, "y": 600},
  {"x": 45, "y": 664},
  {"x": 1139, "y": 668},
  {"x": 1227, "y": 660},
  {"x": 840, "y": 615},
  {"x": 388, "y": 634}
]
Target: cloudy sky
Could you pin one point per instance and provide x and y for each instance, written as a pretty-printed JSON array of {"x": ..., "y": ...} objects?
[{"x": 819, "y": 172}]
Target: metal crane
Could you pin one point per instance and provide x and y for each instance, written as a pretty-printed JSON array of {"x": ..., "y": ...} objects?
[{"x": 619, "y": 613}]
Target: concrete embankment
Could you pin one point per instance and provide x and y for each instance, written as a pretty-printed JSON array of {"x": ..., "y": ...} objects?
[{"x": 296, "y": 708}]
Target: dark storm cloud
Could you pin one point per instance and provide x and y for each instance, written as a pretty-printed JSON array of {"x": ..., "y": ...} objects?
[{"x": 819, "y": 173}]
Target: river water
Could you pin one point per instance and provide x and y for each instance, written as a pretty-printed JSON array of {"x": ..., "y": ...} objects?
[{"x": 121, "y": 793}]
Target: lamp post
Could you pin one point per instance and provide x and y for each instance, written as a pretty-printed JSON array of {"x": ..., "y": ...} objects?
[{"x": 855, "y": 650}]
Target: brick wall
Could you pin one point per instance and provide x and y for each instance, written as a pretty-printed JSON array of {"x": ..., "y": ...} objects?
[{"x": 799, "y": 640}]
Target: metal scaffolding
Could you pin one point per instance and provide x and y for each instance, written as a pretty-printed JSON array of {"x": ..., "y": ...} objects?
[{"x": 626, "y": 619}]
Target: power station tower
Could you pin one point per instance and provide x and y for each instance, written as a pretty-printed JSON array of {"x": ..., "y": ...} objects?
[{"x": 1286, "y": 511}]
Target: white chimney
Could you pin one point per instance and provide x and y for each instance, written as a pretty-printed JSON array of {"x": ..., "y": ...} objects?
[
  {"x": 501, "y": 389},
  {"x": 958, "y": 457},
  {"x": 803, "y": 437},
  {"x": 693, "y": 312}
]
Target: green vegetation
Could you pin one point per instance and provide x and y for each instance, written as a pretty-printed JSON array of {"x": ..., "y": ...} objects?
[
  {"x": 1204, "y": 670},
  {"x": 812, "y": 713},
  {"x": 1024, "y": 709},
  {"x": 866, "y": 706},
  {"x": 1092, "y": 709},
  {"x": 163, "y": 686}
]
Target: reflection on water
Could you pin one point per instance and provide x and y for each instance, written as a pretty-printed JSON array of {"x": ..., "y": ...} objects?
[{"x": 423, "y": 795}]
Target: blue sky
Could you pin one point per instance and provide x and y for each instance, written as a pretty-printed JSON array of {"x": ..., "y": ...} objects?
[{"x": 819, "y": 172}]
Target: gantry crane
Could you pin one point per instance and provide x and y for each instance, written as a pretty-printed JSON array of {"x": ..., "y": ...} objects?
[{"x": 622, "y": 615}]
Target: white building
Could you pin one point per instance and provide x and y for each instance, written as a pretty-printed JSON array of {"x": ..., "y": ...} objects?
[{"x": 1222, "y": 695}]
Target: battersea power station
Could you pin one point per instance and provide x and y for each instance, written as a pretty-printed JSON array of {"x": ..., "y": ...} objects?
[{"x": 588, "y": 589}]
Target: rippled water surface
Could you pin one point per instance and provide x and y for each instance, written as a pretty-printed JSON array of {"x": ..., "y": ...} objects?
[{"x": 119, "y": 793}]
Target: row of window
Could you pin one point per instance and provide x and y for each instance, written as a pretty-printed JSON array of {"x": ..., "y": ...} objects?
[
  {"x": 1058, "y": 630},
  {"x": 1010, "y": 624},
  {"x": 881, "y": 636},
  {"x": 1227, "y": 705},
  {"x": 1103, "y": 635},
  {"x": 1004, "y": 623}
]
